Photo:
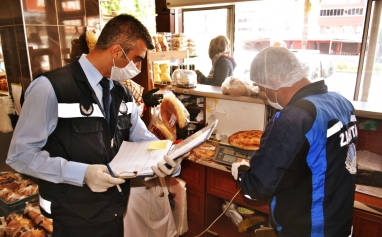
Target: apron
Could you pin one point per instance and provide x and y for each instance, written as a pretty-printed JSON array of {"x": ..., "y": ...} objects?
[{"x": 148, "y": 211}]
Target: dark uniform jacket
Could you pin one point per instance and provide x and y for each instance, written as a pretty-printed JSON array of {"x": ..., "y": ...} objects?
[
  {"x": 307, "y": 163},
  {"x": 87, "y": 139}
]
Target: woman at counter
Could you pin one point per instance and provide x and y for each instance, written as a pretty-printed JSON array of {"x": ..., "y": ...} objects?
[{"x": 222, "y": 62}]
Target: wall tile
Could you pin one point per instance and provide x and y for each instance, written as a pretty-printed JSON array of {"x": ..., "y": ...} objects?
[
  {"x": 45, "y": 14},
  {"x": 6, "y": 16},
  {"x": 46, "y": 55},
  {"x": 16, "y": 12},
  {"x": 71, "y": 12}
]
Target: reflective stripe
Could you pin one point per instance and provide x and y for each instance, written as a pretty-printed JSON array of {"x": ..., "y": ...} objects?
[
  {"x": 45, "y": 204},
  {"x": 335, "y": 128},
  {"x": 73, "y": 111}
]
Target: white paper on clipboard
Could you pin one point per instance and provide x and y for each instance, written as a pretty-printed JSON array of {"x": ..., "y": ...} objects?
[{"x": 134, "y": 159}]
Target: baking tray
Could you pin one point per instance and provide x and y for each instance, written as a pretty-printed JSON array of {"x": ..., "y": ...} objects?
[{"x": 7, "y": 208}]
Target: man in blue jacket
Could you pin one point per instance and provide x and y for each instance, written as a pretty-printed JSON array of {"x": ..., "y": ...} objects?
[{"x": 306, "y": 163}]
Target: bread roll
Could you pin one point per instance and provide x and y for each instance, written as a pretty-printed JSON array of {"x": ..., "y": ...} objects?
[
  {"x": 16, "y": 221},
  {"x": 172, "y": 113},
  {"x": 34, "y": 213}
]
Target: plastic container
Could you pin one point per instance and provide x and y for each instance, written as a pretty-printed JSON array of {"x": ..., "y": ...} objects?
[{"x": 184, "y": 78}]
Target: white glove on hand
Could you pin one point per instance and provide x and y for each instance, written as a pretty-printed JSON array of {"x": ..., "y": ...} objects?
[
  {"x": 235, "y": 167},
  {"x": 98, "y": 179},
  {"x": 167, "y": 167}
]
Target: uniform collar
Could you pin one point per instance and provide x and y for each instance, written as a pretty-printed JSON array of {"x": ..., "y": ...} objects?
[
  {"x": 314, "y": 88},
  {"x": 93, "y": 75}
]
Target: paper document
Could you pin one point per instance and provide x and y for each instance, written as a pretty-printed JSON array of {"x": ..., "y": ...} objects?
[
  {"x": 139, "y": 157},
  {"x": 136, "y": 158}
]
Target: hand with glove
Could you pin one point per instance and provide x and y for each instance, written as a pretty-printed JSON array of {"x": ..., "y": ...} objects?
[
  {"x": 235, "y": 168},
  {"x": 98, "y": 178},
  {"x": 167, "y": 167},
  {"x": 151, "y": 99}
]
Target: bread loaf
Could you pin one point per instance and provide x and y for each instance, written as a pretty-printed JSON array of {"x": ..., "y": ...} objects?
[
  {"x": 235, "y": 87},
  {"x": 161, "y": 132},
  {"x": 172, "y": 113}
]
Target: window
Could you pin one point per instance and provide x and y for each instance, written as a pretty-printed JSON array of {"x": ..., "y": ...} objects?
[
  {"x": 370, "y": 84},
  {"x": 203, "y": 25},
  {"x": 336, "y": 34}
]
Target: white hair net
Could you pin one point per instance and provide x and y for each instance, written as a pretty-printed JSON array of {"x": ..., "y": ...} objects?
[{"x": 276, "y": 67}]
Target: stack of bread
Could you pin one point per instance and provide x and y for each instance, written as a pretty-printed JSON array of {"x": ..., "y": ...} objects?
[
  {"x": 162, "y": 73},
  {"x": 30, "y": 223},
  {"x": 160, "y": 42}
]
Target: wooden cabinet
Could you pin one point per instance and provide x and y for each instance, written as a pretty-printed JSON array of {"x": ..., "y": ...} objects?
[
  {"x": 207, "y": 190},
  {"x": 366, "y": 224},
  {"x": 222, "y": 187},
  {"x": 195, "y": 176}
]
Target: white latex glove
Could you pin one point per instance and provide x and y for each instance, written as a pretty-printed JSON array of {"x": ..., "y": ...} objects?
[
  {"x": 235, "y": 167},
  {"x": 98, "y": 179},
  {"x": 161, "y": 170}
]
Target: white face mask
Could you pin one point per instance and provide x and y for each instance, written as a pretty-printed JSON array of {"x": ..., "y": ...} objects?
[
  {"x": 122, "y": 74},
  {"x": 274, "y": 105}
]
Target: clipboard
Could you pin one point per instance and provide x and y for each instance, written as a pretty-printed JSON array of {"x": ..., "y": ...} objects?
[{"x": 134, "y": 159}]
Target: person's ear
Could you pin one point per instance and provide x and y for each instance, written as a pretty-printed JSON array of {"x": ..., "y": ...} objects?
[{"x": 116, "y": 51}]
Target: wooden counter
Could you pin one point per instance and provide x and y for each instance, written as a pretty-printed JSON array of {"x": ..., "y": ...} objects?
[{"x": 368, "y": 109}]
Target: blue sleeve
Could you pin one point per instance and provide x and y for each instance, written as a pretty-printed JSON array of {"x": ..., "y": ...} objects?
[
  {"x": 38, "y": 119},
  {"x": 272, "y": 164}
]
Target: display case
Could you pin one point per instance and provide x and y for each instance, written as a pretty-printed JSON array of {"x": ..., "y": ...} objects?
[{"x": 181, "y": 57}]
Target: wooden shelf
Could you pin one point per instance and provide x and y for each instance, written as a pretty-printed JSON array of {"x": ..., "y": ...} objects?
[{"x": 167, "y": 55}]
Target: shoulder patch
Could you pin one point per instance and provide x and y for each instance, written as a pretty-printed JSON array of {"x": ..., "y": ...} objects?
[{"x": 86, "y": 107}]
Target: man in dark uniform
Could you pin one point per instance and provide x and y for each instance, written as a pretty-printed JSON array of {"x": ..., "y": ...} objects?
[
  {"x": 306, "y": 163},
  {"x": 73, "y": 121}
]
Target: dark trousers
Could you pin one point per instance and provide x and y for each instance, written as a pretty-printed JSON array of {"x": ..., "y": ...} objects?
[{"x": 112, "y": 228}]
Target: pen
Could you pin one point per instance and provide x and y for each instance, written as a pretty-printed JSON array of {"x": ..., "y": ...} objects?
[{"x": 112, "y": 175}]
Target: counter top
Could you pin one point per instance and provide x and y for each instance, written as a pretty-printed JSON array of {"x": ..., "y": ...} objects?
[
  {"x": 212, "y": 92},
  {"x": 363, "y": 109},
  {"x": 368, "y": 109}
]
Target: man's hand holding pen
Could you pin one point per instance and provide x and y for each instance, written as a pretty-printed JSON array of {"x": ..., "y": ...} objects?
[{"x": 99, "y": 179}]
